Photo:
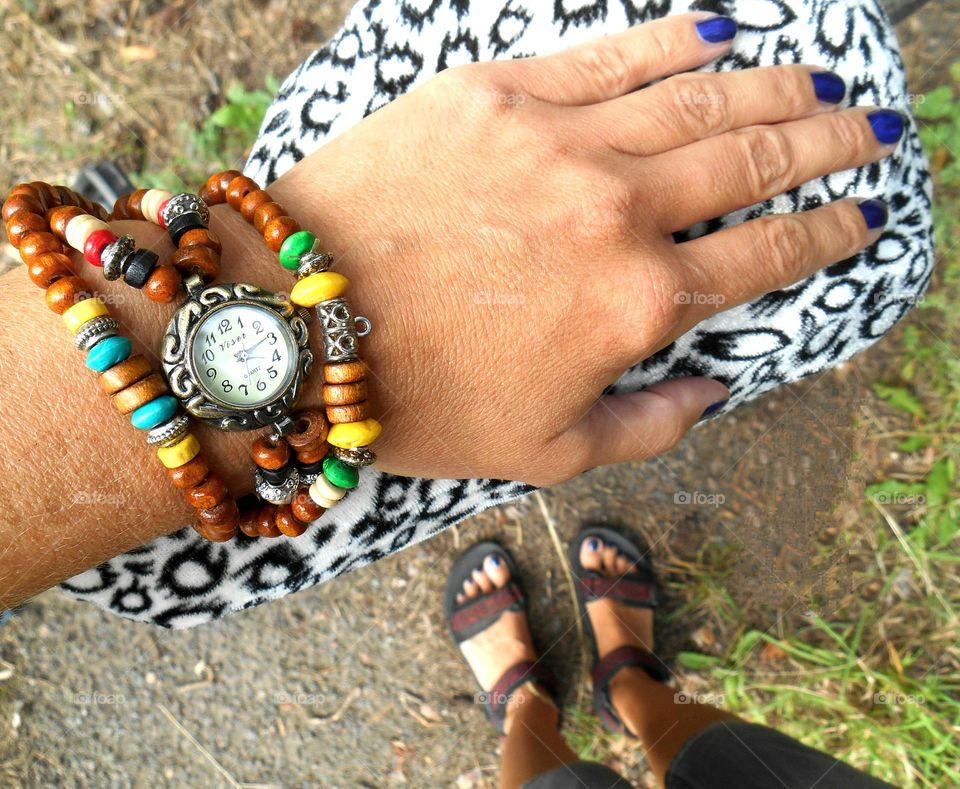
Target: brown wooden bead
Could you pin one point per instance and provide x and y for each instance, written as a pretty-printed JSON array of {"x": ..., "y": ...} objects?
[
  {"x": 20, "y": 202},
  {"x": 122, "y": 375},
  {"x": 208, "y": 493},
  {"x": 239, "y": 188},
  {"x": 58, "y": 218},
  {"x": 206, "y": 195},
  {"x": 189, "y": 474},
  {"x": 252, "y": 202},
  {"x": 279, "y": 230},
  {"x": 66, "y": 195},
  {"x": 33, "y": 245},
  {"x": 201, "y": 237},
  {"x": 287, "y": 524},
  {"x": 266, "y": 213},
  {"x": 213, "y": 534},
  {"x": 30, "y": 190},
  {"x": 120, "y": 208},
  {"x": 310, "y": 428},
  {"x": 46, "y": 194},
  {"x": 344, "y": 372},
  {"x": 270, "y": 454},
  {"x": 304, "y": 508},
  {"x": 163, "y": 284},
  {"x": 313, "y": 453},
  {"x": 267, "y": 522},
  {"x": 198, "y": 260},
  {"x": 341, "y": 414},
  {"x": 345, "y": 394},
  {"x": 133, "y": 204},
  {"x": 226, "y": 176},
  {"x": 22, "y": 224},
  {"x": 48, "y": 268},
  {"x": 223, "y": 514},
  {"x": 248, "y": 522},
  {"x": 216, "y": 186},
  {"x": 128, "y": 400},
  {"x": 63, "y": 293}
]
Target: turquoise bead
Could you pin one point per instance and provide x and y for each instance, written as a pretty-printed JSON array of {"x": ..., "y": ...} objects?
[
  {"x": 154, "y": 413},
  {"x": 108, "y": 352},
  {"x": 296, "y": 244},
  {"x": 339, "y": 473}
]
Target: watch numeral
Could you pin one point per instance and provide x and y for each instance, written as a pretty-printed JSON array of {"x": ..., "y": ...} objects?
[
  {"x": 275, "y": 357},
  {"x": 258, "y": 327},
  {"x": 272, "y": 372},
  {"x": 211, "y": 372},
  {"x": 272, "y": 338},
  {"x": 261, "y": 385},
  {"x": 245, "y": 390},
  {"x": 224, "y": 326},
  {"x": 208, "y": 354},
  {"x": 227, "y": 386}
]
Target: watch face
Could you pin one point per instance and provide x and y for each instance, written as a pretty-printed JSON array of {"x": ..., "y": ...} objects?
[{"x": 244, "y": 355}]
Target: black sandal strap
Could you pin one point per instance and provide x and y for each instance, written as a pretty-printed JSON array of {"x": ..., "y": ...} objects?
[
  {"x": 481, "y": 612},
  {"x": 606, "y": 669},
  {"x": 496, "y": 699},
  {"x": 630, "y": 589}
]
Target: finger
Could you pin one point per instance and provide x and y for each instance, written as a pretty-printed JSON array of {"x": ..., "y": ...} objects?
[
  {"x": 610, "y": 66},
  {"x": 740, "y": 263},
  {"x": 713, "y": 177},
  {"x": 691, "y": 107},
  {"x": 640, "y": 424}
]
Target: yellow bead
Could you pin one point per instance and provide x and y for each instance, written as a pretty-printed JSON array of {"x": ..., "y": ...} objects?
[
  {"x": 349, "y": 435},
  {"x": 83, "y": 311},
  {"x": 318, "y": 287},
  {"x": 181, "y": 453}
]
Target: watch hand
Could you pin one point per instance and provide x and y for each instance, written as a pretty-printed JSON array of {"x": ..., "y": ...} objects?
[{"x": 256, "y": 344}]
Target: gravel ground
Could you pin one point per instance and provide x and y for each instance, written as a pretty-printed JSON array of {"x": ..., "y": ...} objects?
[{"x": 328, "y": 688}]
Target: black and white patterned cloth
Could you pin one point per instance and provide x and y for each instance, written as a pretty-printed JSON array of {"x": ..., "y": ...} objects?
[{"x": 387, "y": 47}]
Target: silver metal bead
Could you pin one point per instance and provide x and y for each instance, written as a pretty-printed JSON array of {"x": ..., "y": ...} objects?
[
  {"x": 94, "y": 330},
  {"x": 115, "y": 255},
  {"x": 313, "y": 263},
  {"x": 308, "y": 478},
  {"x": 282, "y": 427},
  {"x": 339, "y": 330},
  {"x": 184, "y": 203},
  {"x": 358, "y": 457},
  {"x": 277, "y": 494},
  {"x": 170, "y": 432}
]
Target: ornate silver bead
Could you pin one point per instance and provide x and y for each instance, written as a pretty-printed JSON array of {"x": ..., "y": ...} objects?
[
  {"x": 277, "y": 494},
  {"x": 340, "y": 330},
  {"x": 115, "y": 255},
  {"x": 313, "y": 263},
  {"x": 94, "y": 330},
  {"x": 358, "y": 458},
  {"x": 184, "y": 203},
  {"x": 282, "y": 427},
  {"x": 170, "y": 432},
  {"x": 308, "y": 478}
]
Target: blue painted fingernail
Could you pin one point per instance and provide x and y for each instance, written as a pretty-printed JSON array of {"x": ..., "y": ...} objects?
[
  {"x": 593, "y": 544},
  {"x": 828, "y": 87},
  {"x": 887, "y": 125},
  {"x": 874, "y": 212},
  {"x": 716, "y": 29},
  {"x": 494, "y": 560},
  {"x": 713, "y": 408}
]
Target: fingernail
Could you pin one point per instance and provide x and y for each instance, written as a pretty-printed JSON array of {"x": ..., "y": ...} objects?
[
  {"x": 593, "y": 544},
  {"x": 714, "y": 407},
  {"x": 494, "y": 560},
  {"x": 828, "y": 87},
  {"x": 716, "y": 29},
  {"x": 887, "y": 125},
  {"x": 874, "y": 213}
]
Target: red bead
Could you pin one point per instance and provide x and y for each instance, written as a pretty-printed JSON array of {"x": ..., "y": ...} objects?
[
  {"x": 96, "y": 241},
  {"x": 160, "y": 213}
]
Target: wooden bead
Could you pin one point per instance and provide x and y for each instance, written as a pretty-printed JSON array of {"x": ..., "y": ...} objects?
[
  {"x": 345, "y": 414},
  {"x": 269, "y": 454},
  {"x": 305, "y": 509},
  {"x": 267, "y": 522},
  {"x": 313, "y": 453},
  {"x": 62, "y": 294},
  {"x": 25, "y": 189},
  {"x": 311, "y": 427},
  {"x": 80, "y": 228},
  {"x": 120, "y": 208},
  {"x": 252, "y": 202},
  {"x": 278, "y": 230},
  {"x": 151, "y": 202},
  {"x": 216, "y": 533},
  {"x": 46, "y": 194},
  {"x": 33, "y": 245},
  {"x": 201, "y": 237},
  {"x": 287, "y": 524},
  {"x": 66, "y": 195},
  {"x": 198, "y": 260},
  {"x": 128, "y": 400},
  {"x": 134, "y": 204},
  {"x": 225, "y": 177},
  {"x": 163, "y": 284},
  {"x": 20, "y": 202},
  {"x": 22, "y": 224},
  {"x": 344, "y": 372},
  {"x": 122, "y": 375},
  {"x": 239, "y": 188},
  {"x": 190, "y": 474},
  {"x": 58, "y": 218},
  {"x": 266, "y": 213},
  {"x": 223, "y": 514},
  {"x": 48, "y": 268},
  {"x": 248, "y": 522},
  {"x": 208, "y": 493},
  {"x": 345, "y": 394}
]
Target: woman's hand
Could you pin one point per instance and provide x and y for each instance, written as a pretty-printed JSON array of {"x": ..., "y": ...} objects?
[{"x": 507, "y": 227}]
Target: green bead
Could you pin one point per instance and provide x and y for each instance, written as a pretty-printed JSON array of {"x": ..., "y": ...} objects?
[
  {"x": 339, "y": 473},
  {"x": 295, "y": 245}
]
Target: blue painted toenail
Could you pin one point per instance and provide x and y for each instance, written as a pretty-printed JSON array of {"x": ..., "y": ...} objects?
[
  {"x": 593, "y": 544},
  {"x": 495, "y": 560}
]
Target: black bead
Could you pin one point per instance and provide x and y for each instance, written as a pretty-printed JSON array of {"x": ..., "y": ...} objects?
[
  {"x": 183, "y": 223},
  {"x": 139, "y": 267},
  {"x": 306, "y": 469},
  {"x": 277, "y": 477}
]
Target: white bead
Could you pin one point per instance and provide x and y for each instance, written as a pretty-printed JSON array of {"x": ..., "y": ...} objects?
[
  {"x": 79, "y": 229},
  {"x": 320, "y": 501},
  {"x": 323, "y": 490},
  {"x": 151, "y": 202}
]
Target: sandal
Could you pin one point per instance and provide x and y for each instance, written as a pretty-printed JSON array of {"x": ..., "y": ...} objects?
[
  {"x": 637, "y": 588},
  {"x": 465, "y": 620}
]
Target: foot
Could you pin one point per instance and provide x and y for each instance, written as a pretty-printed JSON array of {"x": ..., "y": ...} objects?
[
  {"x": 502, "y": 645},
  {"x": 614, "y": 624}
]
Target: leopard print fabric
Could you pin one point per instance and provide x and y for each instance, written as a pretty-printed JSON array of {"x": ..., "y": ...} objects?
[{"x": 387, "y": 47}]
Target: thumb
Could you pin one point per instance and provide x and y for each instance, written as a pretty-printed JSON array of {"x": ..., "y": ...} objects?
[{"x": 642, "y": 424}]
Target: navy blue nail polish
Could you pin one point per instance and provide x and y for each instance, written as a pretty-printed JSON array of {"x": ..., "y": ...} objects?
[
  {"x": 828, "y": 87},
  {"x": 874, "y": 213},
  {"x": 716, "y": 29},
  {"x": 887, "y": 125},
  {"x": 713, "y": 408},
  {"x": 593, "y": 544},
  {"x": 495, "y": 560}
]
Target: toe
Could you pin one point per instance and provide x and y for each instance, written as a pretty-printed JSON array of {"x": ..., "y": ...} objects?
[
  {"x": 623, "y": 565},
  {"x": 481, "y": 579},
  {"x": 496, "y": 570},
  {"x": 609, "y": 556},
  {"x": 460, "y": 598},
  {"x": 469, "y": 589},
  {"x": 590, "y": 557}
]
